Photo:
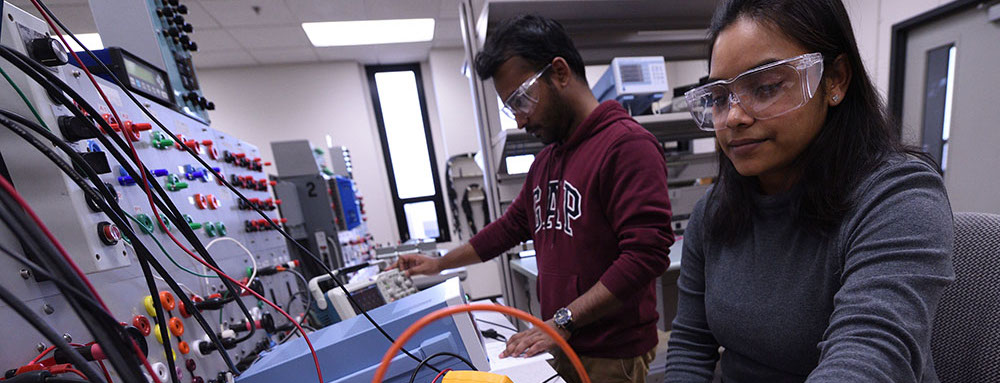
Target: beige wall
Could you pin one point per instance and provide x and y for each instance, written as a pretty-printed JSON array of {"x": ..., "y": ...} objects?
[{"x": 310, "y": 101}]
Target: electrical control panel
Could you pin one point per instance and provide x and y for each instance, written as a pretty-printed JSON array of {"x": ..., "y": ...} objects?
[
  {"x": 216, "y": 215},
  {"x": 159, "y": 32},
  {"x": 325, "y": 210}
]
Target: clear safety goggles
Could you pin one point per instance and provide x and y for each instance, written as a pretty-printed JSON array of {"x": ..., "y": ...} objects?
[
  {"x": 764, "y": 92},
  {"x": 521, "y": 102}
]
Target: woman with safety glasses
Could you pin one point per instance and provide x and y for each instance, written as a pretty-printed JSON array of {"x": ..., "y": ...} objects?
[{"x": 821, "y": 252}]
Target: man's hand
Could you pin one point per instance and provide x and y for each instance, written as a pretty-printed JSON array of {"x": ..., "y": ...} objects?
[
  {"x": 532, "y": 342},
  {"x": 417, "y": 264}
]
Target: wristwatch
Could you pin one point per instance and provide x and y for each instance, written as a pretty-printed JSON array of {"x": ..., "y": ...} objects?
[{"x": 564, "y": 319}]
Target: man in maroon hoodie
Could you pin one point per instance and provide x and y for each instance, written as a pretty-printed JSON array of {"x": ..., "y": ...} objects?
[{"x": 595, "y": 203}]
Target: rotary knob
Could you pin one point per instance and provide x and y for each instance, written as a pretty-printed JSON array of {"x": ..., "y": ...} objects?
[{"x": 48, "y": 51}]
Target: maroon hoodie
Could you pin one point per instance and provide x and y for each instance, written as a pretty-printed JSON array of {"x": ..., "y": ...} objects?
[{"x": 597, "y": 208}]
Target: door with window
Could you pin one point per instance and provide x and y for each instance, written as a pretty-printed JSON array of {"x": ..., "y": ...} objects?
[
  {"x": 949, "y": 100},
  {"x": 404, "y": 128}
]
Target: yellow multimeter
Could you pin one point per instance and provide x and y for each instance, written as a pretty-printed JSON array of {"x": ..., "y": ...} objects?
[{"x": 474, "y": 377}]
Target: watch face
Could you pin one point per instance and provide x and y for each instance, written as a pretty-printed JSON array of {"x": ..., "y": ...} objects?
[{"x": 561, "y": 316}]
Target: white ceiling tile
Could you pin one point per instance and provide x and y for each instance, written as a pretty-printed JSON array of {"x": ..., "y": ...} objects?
[
  {"x": 327, "y": 10},
  {"x": 210, "y": 40},
  {"x": 271, "y": 37},
  {"x": 199, "y": 17},
  {"x": 360, "y": 53},
  {"x": 284, "y": 55},
  {"x": 237, "y": 13},
  {"x": 447, "y": 29},
  {"x": 449, "y": 9},
  {"x": 403, "y": 53},
  {"x": 447, "y": 43},
  {"x": 223, "y": 59},
  {"x": 396, "y": 9}
]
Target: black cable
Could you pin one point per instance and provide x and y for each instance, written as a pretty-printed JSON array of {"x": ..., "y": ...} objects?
[
  {"x": 151, "y": 284},
  {"x": 226, "y": 183},
  {"x": 161, "y": 198},
  {"x": 141, "y": 250},
  {"x": 111, "y": 335},
  {"x": 493, "y": 334},
  {"x": 64, "y": 287},
  {"x": 452, "y": 194},
  {"x": 143, "y": 253},
  {"x": 51, "y": 83},
  {"x": 497, "y": 324},
  {"x": 425, "y": 361},
  {"x": 198, "y": 158},
  {"x": 305, "y": 288},
  {"x": 305, "y": 315},
  {"x": 63, "y": 379},
  {"x": 49, "y": 333},
  {"x": 467, "y": 207}
]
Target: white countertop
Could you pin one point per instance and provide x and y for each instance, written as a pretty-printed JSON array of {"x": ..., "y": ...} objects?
[
  {"x": 528, "y": 266},
  {"x": 535, "y": 369}
]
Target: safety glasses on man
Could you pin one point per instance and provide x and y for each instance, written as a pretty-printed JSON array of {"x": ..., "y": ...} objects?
[
  {"x": 764, "y": 92},
  {"x": 521, "y": 102}
]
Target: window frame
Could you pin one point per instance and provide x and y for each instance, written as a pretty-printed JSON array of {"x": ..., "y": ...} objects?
[{"x": 444, "y": 234}]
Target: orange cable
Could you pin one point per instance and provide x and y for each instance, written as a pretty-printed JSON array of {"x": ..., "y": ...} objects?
[{"x": 412, "y": 330}]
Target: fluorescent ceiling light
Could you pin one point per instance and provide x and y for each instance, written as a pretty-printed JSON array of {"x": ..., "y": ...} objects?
[
  {"x": 369, "y": 32},
  {"x": 91, "y": 40}
]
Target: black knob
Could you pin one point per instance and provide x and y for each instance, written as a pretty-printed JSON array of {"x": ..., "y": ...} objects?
[
  {"x": 172, "y": 31},
  {"x": 182, "y": 9},
  {"x": 191, "y": 96},
  {"x": 173, "y": 2},
  {"x": 203, "y": 102},
  {"x": 187, "y": 27},
  {"x": 48, "y": 51},
  {"x": 76, "y": 128},
  {"x": 179, "y": 20},
  {"x": 166, "y": 12},
  {"x": 210, "y": 106},
  {"x": 192, "y": 46},
  {"x": 184, "y": 39}
]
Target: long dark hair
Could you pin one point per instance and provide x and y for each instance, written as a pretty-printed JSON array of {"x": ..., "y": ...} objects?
[{"x": 857, "y": 137}]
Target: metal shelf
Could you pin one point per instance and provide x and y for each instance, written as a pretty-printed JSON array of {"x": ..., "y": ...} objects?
[
  {"x": 672, "y": 126},
  {"x": 605, "y": 29}
]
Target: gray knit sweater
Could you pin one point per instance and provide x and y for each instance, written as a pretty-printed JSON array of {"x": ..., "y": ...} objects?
[{"x": 790, "y": 306}]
